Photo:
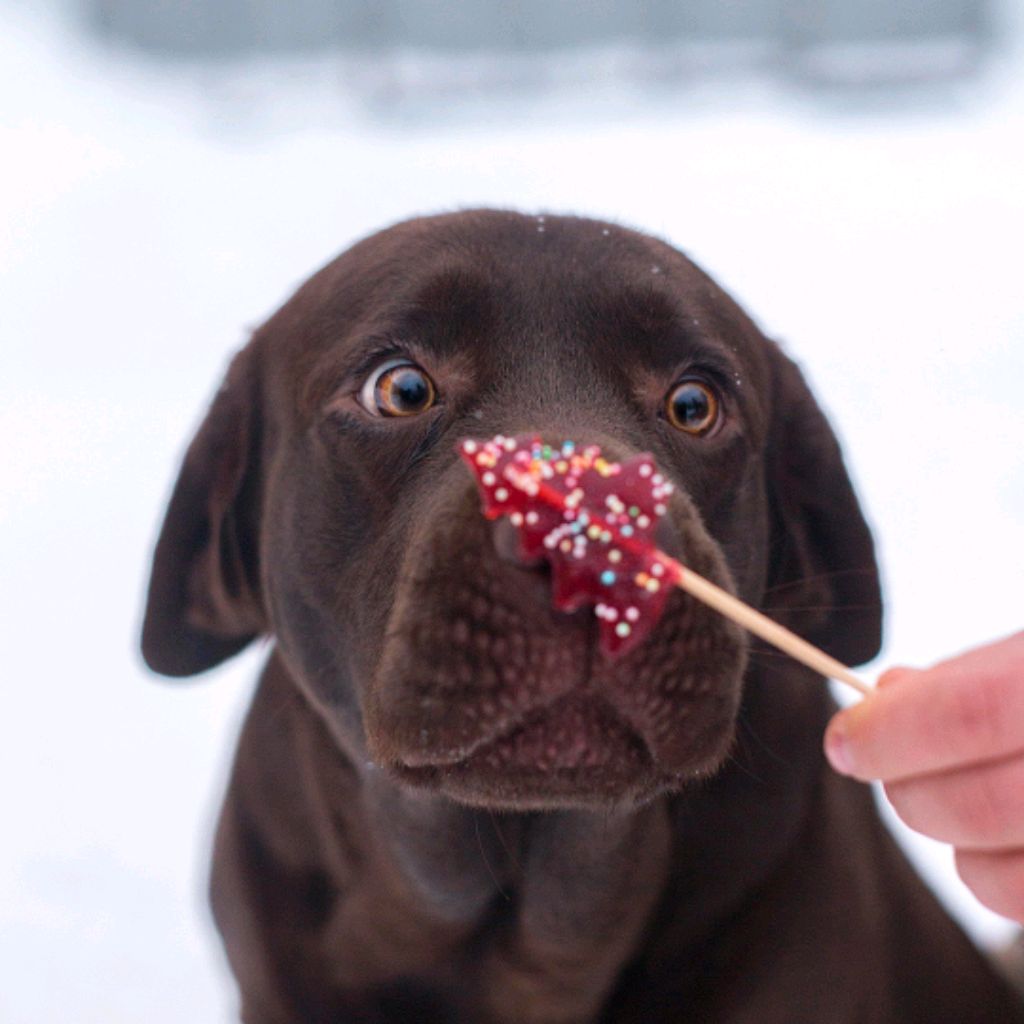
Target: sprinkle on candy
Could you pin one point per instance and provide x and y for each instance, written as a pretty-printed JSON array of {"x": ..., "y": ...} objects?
[{"x": 593, "y": 520}]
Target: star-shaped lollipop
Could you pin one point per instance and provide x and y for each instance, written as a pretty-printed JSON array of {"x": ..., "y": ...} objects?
[{"x": 593, "y": 520}]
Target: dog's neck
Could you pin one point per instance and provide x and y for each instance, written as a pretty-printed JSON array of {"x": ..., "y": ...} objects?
[{"x": 556, "y": 901}]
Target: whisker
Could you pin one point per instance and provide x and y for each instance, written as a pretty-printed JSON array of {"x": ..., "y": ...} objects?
[
  {"x": 487, "y": 863},
  {"x": 749, "y": 730},
  {"x": 816, "y": 578},
  {"x": 745, "y": 768},
  {"x": 501, "y": 839},
  {"x": 768, "y": 652},
  {"x": 837, "y": 609}
]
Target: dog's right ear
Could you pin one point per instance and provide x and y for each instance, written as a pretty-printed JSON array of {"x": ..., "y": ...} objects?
[
  {"x": 823, "y": 579},
  {"x": 204, "y": 602}
]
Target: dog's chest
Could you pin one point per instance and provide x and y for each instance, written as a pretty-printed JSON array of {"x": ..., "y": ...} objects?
[{"x": 527, "y": 924}]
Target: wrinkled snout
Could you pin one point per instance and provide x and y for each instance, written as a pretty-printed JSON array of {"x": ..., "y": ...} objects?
[{"x": 493, "y": 688}]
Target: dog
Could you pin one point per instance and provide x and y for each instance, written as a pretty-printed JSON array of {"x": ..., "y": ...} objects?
[{"x": 447, "y": 804}]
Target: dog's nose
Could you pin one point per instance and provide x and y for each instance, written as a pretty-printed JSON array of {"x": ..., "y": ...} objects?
[
  {"x": 667, "y": 539},
  {"x": 507, "y": 545}
]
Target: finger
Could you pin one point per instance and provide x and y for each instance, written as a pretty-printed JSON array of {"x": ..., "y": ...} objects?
[
  {"x": 965, "y": 710},
  {"x": 997, "y": 879},
  {"x": 978, "y": 807}
]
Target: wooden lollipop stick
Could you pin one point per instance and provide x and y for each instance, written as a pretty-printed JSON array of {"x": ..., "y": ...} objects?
[
  {"x": 761, "y": 626},
  {"x": 593, "y": 520}
]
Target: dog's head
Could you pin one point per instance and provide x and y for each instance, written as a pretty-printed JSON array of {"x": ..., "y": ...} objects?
[{"x": 323, "y": 502}]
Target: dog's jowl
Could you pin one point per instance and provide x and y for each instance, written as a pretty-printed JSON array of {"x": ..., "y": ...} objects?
[{"x": 448, "y": 804}]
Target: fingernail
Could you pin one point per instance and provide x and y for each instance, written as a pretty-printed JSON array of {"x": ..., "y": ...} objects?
[
  {"x": 894, "y": 675},
  {"x": 837, "y": 749}
]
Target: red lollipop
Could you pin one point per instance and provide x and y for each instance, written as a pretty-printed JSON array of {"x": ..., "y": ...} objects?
[{"x": 594, "y": 520}]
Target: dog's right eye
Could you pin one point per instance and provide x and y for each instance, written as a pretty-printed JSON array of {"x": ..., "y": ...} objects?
[
  {"x": 693, "y": 407},
  {"x": 397, "y": 387}
]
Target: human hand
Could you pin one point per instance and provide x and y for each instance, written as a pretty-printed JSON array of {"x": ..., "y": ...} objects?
[{"x": 948, "y": 744}]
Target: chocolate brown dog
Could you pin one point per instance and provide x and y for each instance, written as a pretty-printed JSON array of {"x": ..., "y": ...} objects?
[{"x": 447, "y": 805}]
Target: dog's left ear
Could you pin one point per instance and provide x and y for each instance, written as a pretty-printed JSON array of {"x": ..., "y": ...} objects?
[
  {"x": 204, "y": 602},
  {"x": 823, "y": 578}
]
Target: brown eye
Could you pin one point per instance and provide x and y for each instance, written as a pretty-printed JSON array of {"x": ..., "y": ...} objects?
[
  {"x": 693, "y": 407},
  {"x": 397, "y": 388}
]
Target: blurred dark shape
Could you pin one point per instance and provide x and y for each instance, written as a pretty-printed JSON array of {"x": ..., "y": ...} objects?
[
  {"x": 215, "y": 28},
  {"x": 864, "y": 42},
  {"x": 844, "y": 42}
]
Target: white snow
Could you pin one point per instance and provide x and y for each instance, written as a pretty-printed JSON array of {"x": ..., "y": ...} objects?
[{"x": 150, "y": 215}]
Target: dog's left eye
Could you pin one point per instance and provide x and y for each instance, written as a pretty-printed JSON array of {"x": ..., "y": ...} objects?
[
  {"x": 397, "y": 388},
  {"x": 693, "y": 407}
]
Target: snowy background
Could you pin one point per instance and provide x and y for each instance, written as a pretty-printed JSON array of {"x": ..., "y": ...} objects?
[{"x": 150, "y": 213}]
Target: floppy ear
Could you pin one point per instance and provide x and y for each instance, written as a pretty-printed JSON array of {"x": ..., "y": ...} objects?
[
  {"x": 823, "y": 578},
  {"x": 204, "y": 601}
]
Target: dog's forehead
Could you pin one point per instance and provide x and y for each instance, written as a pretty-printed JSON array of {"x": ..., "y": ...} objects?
[
  {"x": 529, "y": 282},
  {"x": 551, "y": 262}
]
